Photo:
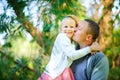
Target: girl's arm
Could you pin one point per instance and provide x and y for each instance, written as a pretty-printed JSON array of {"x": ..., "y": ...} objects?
[{"x": 65, "y": 46}]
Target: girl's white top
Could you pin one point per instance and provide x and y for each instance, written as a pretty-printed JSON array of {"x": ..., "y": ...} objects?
[{"x": 62, "y": 56}]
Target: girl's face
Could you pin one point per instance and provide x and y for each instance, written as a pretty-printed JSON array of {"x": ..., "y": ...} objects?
[{"x": 68, "y": 26}]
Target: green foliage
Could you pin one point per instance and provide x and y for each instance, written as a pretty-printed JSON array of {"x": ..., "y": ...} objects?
[
  {"x": 6, "y": 18},
  {"x": 112, "y": 52},
  {"x": 115, "y": 73},
  {"x": 20, "y": 59},
  {"x": 114, "y": 48},
  {"x": 23, "y": 69}
]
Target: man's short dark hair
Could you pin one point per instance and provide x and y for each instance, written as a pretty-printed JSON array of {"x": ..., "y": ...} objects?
[{"x": 93, "y": 28}]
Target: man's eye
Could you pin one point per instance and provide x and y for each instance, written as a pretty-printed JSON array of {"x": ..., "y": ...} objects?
[
  {"x": 78, "y": 28},
  {"x": 66, "y": 26}
]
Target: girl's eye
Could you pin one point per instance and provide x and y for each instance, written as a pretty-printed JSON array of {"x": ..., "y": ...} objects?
[{"x": 71, "y": 27}]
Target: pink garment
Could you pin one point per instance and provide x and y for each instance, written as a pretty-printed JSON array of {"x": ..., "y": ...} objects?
[{"x": 66, "y": 75}]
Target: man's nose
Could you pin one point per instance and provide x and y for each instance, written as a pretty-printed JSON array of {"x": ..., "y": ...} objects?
[{"x": 75, "y": 30}]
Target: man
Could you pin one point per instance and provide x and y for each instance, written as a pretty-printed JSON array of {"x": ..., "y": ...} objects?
[{"x": 90, "y": 67}]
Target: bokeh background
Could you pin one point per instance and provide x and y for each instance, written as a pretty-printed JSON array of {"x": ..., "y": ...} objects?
[{"x": 28, "y": 29}]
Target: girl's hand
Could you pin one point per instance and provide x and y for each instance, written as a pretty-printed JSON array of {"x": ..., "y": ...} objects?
[{"x": 94, "y": 47}]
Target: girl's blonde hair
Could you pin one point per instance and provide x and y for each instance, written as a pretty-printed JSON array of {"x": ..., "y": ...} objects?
[{"x": 75, "y": 18}]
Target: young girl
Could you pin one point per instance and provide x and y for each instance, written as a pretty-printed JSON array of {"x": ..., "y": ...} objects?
[{"x": 63, "y": 52}]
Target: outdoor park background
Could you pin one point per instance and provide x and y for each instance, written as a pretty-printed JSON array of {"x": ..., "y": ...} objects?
[{"x": 24, "y": 51}]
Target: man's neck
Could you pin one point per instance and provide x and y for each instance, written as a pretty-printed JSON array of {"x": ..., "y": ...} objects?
[{"x": 83, "y": 45}]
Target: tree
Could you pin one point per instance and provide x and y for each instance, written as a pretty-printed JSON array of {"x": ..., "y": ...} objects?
[{"x": 50, "y": 13}]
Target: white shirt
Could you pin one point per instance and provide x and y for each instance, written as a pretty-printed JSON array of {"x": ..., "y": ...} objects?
[{"x": 62, "y": 56}]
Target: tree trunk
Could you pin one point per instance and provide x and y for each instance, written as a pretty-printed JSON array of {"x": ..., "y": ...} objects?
[
  {"x": 34, "y": 32},
  {"x": 18, "y": 8},
  {"x": 106, "y": 28}
]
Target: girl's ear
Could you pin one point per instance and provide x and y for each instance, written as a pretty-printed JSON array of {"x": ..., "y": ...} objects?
[
  {"x": 60, "y": 27},
  {"x": 60, "y": 30}
]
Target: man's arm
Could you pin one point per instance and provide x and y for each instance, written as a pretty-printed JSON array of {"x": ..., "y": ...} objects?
[{"x": 100, "y": 70}]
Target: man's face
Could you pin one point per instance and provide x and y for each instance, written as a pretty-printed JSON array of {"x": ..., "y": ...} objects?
[{"x": 80, "y": 35}]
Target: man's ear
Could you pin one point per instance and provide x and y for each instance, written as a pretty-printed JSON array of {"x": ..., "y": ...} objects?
[{"x": 89, "y": 39}]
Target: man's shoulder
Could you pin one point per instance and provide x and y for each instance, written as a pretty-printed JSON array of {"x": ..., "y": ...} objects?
[
  {"x": 97, "y": 57},
  {"x": 99, "y": 54},
  {"x": 91, "y": 58}
]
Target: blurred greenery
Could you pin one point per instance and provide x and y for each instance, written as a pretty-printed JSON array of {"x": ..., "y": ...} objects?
[
  {"x": 20, "y": 59},
  {"x": 21, "y": 56}
]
